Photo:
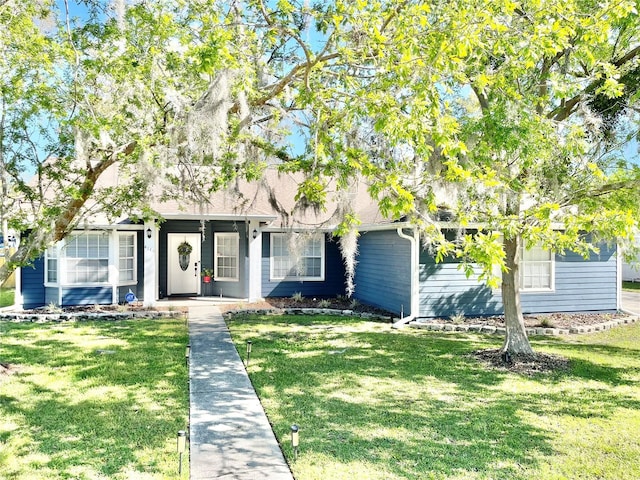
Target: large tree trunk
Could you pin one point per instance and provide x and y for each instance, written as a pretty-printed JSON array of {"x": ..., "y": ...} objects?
[
  {"x": 516, "y": 341},
  {"x": 37, "y": 242}
]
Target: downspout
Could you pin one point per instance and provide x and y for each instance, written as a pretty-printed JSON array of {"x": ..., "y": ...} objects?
[{"x": 415, "y": 276}]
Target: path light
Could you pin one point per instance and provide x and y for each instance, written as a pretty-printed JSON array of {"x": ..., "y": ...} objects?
[
  {"x": 249, "y": 343},
  {"x": 182, "y": 446},
  {"x": 187, "y": 354},
  {"x": 295, "y": 440}
]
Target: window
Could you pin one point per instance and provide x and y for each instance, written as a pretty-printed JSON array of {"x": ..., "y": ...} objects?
[
  {"x": 127, "y": 258},
  {"x": 226, "y": 258},
  {"x": 536, "y": 269},
  {"x": 51, "y": 263},
  {"x": 86, "y": 258},
  {"x": 305, "y": 263}
]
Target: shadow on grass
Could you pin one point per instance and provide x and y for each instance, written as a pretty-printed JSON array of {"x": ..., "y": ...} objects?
[
  {"x": 414, "y": 403},
  {"x": 74, "y": 406}
]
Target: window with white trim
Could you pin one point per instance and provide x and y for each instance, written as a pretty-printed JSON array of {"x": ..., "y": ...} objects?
[
  {"x": 226, "y": 256},
  {"x": 536, "y": 269},
  {"x": 51, "y": 264},
  {"x": 86, "y": 259},
  {"x": 305, "y": 262},
  {"x": 126, "y": 258}
]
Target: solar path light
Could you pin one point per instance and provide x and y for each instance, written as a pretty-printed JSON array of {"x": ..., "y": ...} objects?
[
  {"x": 295, "y": 440},
  {"x": 249, "y": 344},
  {"x": 182, "y": 447}
]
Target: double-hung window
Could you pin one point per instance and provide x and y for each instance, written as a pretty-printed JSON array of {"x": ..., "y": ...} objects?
[
  {"x": 227, "y": 256},
  {"x": 86, "y": 259},
  {"x": 297, "y": 257},
  {"x": 126, "y": 258},
  {"x": 536, "y": 269},
  {"x": 51, "y": 262}
]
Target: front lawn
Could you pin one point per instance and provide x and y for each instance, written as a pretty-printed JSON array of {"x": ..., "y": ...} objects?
[
  {"x": 6, "y": 297},
  {"x": 377, "y": 403},
  {"x": 630, "y": 285},
  {"x": 92, "y": 400}
]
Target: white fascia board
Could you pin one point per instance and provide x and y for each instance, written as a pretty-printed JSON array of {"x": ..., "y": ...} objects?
[
  {"x": 298, "y": 228},
  {"x": 115, "y": 226},
  {"x": 218, "y": 216}
]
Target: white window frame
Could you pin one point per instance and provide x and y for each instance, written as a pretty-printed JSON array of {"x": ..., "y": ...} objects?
[
  {"x": 283, "y": 236},
  {"x": 134, "y": 258},
  {"x": 63, "y": 273},
  {"x": 218, "y": 236},
  {"x": 551, "y": 262},
  {"x": 552, "y": 266},
  {"x": 52, "y": 254}
]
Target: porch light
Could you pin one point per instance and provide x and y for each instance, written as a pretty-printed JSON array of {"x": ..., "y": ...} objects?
[
  {"x": 182, "y": 446},
  {"x": 295, "y": 439},
  {"x": 249, "y": 344},
  {"x": 254, "y": 234},
  {"x": 149, "y": 233}
]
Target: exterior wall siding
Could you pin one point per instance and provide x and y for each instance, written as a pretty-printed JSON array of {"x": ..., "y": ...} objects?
[
  {"x": 215, "y": 288},
  {"x": 580, "y": 285},
  {"x": 383, "y": 272},
  {"x": 332, "y": 285},
  {"x": 86, "y": 295},
  {"x": 33, "y": 291}
]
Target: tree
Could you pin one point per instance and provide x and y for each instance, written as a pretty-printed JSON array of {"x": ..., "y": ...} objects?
[
  {"x": 517, "y": 110},
  {"x": 198, "y": 92},
  {"x": 512, "y": 109}
]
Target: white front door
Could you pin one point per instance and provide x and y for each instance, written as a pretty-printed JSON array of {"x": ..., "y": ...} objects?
[{"x": 183, "y": 271}]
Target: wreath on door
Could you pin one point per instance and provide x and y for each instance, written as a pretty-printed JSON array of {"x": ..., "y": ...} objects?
[{"x": 184, "y": 252}]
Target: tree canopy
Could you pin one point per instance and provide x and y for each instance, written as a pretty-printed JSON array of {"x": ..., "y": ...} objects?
[{"x": 510, "y": 115}]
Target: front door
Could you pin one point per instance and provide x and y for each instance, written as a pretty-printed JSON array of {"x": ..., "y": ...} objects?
[{"x": 183, "y": 269}]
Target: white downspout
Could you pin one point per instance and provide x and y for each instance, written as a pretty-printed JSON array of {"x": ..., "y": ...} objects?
[
  {"x": 415, "y": 277},
  {"x": 618, "y": 277}
]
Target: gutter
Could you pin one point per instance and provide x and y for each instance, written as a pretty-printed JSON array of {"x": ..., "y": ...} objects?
[{"x": 415, "y": 276}]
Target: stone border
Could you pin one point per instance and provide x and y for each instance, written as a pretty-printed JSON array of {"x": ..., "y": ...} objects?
[
  {"x": 479, "y": 328},
  {"x": 308, "y": 311},
  {"x": 22, "y": 317}
]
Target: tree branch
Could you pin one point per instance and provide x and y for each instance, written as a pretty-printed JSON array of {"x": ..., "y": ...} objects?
[{"x": 563, "y": 111}]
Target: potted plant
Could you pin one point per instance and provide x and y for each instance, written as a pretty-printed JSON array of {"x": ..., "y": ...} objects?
[{"x": 207, "y": 273}]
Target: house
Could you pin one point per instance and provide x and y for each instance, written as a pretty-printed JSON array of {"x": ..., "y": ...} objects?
[{"x": 244, "y": 236}]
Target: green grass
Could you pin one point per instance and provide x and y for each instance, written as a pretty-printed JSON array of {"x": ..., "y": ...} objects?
[
  {"x": 6, "y": 297},
  {"x": 376, "y": 403},
  {"x": 631, "y": 285},
  {"x": 92, "y": 400}
]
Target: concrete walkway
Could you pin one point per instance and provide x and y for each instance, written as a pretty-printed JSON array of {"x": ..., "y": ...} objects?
[
  {"x": 631, "y": 301},
  {"x": 230, "y": 435}
]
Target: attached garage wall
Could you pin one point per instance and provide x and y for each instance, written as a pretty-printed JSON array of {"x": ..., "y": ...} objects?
[
  {"x": 580, "y": 285},
  {"x": 383, "y": 272}
]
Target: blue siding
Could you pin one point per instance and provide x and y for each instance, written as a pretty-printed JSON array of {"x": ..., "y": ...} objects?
[
  {"x": 33, "y": 292},
  {"x": 215, "y": 288},
  {"x": 580, "y": 285},
  {"x": 86, "y": 296},
  {"x": 51, "y": 295},
  {"x": 332, "y": 285},
  {"x": 383, "y": 272}
]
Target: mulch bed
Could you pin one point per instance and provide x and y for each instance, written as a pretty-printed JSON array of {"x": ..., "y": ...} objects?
[
  {"x": 311, "y": 302},
  {"x": 523, "y": 364},
  {"x": 548, "y": 320}
]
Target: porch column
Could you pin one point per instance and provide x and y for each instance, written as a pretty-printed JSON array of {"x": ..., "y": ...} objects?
[
  {"x": 150, "y": 291},
  {"x": 18, "y": 298},
  {"x": 255, "y": 262}
]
